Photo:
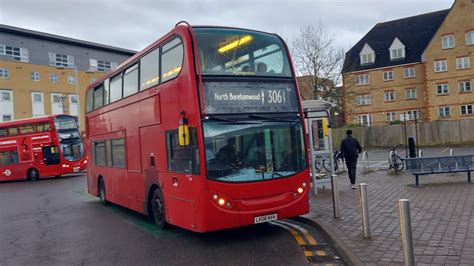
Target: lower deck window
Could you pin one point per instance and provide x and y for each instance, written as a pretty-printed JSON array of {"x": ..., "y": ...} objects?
[
  {"x": 110, "y": 153},
  {"x": 8, "y": 158}
]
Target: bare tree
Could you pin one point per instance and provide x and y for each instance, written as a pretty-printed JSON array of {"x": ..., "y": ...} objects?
[{"x": 319, "y": 64}]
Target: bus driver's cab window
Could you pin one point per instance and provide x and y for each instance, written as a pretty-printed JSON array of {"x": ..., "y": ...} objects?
[{"x": 183, "y": 159}]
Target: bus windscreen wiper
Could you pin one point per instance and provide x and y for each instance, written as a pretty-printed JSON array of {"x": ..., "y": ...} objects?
[{"x": 271, "y": 118}]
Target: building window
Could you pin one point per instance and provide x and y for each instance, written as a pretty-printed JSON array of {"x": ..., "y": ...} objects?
[
  {"x": 367, "y": 59},
  {"x": 462, "y": 62},
  {"x": 365, "y": 120},
  {"x": 448, "y": 41},
  {"x": 362, "y": 79},
  {"x": 391, "y": 116},
  {"x": 61, "y": 60},
  {"x": 442, "y": 89},
  {"x": 409, "y": 72},
  {"x": 6, "y": 118},
  {"x": 464, "y": 86},
  {"x": 410, "y": 94},
  {"x": 441, "y": 65},
  {"x": 53, "y": 78},
  {"x": 37, "y": 97},
  {"x": 412, "y": 115},
  {"x": 71, "y": 80},
  {"x": 100, "y": 65},
  {"x": 470, "y": 38},
  {"x": 4, "y": 74},
  {"x": 35, "y": 76},
  {"x": 443, "y": 111},
  {"x": 6, "y": 96},
  {"x": 363, "y": 99},
  {"x": 466, "y": 109},
  {"x": 389, "y": 96},
  {"x": 17, "y": 53},
  {"x": 388, "y": 75},
  {"x": 397, "y": 53}
]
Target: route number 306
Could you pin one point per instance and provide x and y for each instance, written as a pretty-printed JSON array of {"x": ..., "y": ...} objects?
[{"x": 276, "y": 96}]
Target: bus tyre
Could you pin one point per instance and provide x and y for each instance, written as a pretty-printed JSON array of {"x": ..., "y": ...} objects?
[
  {"x": 33, "y": 174},
  {"x": 102, "y": 196},
  {"x": 158, "y": 209}
]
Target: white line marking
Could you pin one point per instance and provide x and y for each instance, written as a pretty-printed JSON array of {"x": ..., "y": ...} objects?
[
  {"x": 445, "y": 150},
  {"x": 377, "y": 164}
]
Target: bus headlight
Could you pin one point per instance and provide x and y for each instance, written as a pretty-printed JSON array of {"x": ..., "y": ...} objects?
[
  {"x": 65, "y": 165},
  {"x": 300, "y": 190},
  {"x": 221, "y": 202}
]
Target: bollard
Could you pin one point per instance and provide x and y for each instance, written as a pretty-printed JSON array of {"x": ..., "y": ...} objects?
[
  {"x": 451, "y": 152},
  {"x": 364, "y": 206},
  {"x": 335, "y": 197},
  {"x": 420, "y": 153},
  {"x": 405, "y": 229},
  {"x": 365, "y": 161}
]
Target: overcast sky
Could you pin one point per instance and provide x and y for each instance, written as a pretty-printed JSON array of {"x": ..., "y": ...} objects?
[{"x": 134, "y": 24}]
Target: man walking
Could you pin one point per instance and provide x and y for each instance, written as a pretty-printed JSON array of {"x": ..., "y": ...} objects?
[{"x": 350, "y": 149}]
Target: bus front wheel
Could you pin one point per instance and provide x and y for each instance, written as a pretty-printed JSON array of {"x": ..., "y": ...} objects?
[
  {"x": 158, "y": 208},
  {"x": 32, "y": 174},
  {"x": 102, "y": 196}
]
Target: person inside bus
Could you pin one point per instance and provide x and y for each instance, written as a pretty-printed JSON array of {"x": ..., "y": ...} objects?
[
  {"x": 228, "y": 153},
  {"x": 261, "y": 68}
]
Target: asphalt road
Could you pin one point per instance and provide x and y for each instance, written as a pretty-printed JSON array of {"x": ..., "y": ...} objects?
[{"x": 55, "y": 222}]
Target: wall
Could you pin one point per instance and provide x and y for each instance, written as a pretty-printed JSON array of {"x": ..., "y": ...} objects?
[{"x": 431, "y": 133}]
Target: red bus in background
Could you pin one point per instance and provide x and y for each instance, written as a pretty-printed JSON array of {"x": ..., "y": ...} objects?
[
  {"x": 203, "y": 130},
  {"x": 39, "y": 147}
]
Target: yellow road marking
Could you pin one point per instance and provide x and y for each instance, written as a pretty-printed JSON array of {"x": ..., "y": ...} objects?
[
  {"x": 320, "y": 253},
  {"x": 305, "y": 232},
  {"x": 293, "y": 232}
]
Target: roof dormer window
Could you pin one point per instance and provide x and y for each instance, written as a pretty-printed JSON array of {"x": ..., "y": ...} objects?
[
  {"x": 397, "y": 50},
  {"x": 367, "y": 55}
]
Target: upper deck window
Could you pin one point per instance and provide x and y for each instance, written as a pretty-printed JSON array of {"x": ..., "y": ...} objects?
[
  {"x": 171, "y": 59},
  {"x": 65, "y": 122},
  {"x": 241, "y": 52}
]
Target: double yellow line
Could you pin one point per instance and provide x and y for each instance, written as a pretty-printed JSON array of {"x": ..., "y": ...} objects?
[{"x": 304, "y": 239}]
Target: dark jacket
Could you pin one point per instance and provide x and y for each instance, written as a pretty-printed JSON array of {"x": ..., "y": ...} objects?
[{"x": 350, "y": 147}]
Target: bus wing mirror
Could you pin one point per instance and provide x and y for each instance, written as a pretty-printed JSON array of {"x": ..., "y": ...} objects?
[{"x": 183, "y": 135}]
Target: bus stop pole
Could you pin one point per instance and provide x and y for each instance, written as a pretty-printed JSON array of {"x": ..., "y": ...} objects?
[
  {"x": 335, "y": 192},
  {"x": 311, "y": 153}
]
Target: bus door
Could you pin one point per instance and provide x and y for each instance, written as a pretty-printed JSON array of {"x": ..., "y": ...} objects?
[
  {"x": 51, "y": 155},
  {"x": 182, "y": 180}
]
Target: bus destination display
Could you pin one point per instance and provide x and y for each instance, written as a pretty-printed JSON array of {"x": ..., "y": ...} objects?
[{"x": 225, "y": 97}]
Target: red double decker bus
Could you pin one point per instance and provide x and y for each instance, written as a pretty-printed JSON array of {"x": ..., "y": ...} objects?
[
  {"x": 203, "y": 129},
  {"x": 39, "y": 147}
]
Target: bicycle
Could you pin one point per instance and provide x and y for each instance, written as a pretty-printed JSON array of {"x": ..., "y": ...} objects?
[
  {"x": 324, "y": 163},
  {"x": 395, "y": 161}
]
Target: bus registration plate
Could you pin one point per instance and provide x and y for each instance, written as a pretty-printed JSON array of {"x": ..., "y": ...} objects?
[{"x": 265, "y": 218}]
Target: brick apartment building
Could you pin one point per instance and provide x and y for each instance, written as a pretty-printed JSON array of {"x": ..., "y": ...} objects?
[
  {"x": 38, "y": 72},
  {"x": 415, "y": 67}
]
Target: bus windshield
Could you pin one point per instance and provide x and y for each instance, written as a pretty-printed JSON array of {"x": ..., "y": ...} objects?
[
  {"x": 69, "y": 138},
  {"x": 65, "y": 123},
  {"x": 225, "y": 51},
  {"x": 253, "y": 150}
]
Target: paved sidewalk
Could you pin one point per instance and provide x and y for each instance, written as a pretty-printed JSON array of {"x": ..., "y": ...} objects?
[{"x": 441, "y": 210}]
